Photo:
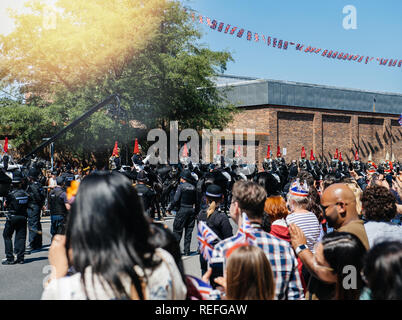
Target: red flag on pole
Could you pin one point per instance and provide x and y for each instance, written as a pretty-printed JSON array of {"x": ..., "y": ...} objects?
[
  {"x": 356, "y": 156},
  {"x": 336, "y": 154},
  {"x": 115, "y": 151},
  {"x": 6, "y": 145},
  {"x": 218, "y": 149},
  {"x": 269, "y": 152},
  {"x": 278, "y": 152},
  {"x": 340, "y": 156},
  {"x": 312, "y": 158},
  {"x": 185, "y": 151},
  {"x": 136, "y": 148},
  {"x": 303, "y": 153}
]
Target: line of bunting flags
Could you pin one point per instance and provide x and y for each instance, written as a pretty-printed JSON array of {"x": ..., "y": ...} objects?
[{"x": 277, "y": 43}]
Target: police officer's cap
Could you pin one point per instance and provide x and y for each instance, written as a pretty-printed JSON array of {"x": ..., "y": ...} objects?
[
  {"x": 141, "y": 176},
  {"x": 17, "y": 177},
  {"x": 214, "y": 191},
  {"x": 186, "y": 175}
]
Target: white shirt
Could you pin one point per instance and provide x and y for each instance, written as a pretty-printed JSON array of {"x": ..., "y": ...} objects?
[{"x": 164, "y": 283}]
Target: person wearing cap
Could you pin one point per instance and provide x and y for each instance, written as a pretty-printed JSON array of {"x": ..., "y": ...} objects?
[
  {"x": 35, "y": 203},
  {"x": 16, "y": 204},
  {"x": 58, "y": 206},
  {"x": 146, "y": 194},
  {"x": 214, "y": 218},
  {"x": 184, "y": 200}
]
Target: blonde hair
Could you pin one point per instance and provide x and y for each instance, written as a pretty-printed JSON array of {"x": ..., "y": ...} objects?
[
  {"x": 357, "y": 191},
  {"x": 211, "y": 208}
]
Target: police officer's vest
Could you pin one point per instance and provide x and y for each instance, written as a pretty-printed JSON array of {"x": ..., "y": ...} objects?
[
  {"x": 18, "y": 202},
  {"x": 188, "y": 195},
  {"x": 56, "y": 204}
]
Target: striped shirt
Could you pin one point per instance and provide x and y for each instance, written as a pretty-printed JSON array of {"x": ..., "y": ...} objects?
[
  {"x": 281, "y": 256},
  {"x": 308, "y": 222}
]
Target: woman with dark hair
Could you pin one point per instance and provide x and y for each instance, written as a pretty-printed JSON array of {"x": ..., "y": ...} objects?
[
  {"x": 382, "y": 272},
  {"x": 337, "y": 253},
  {"x": 335, "y": 265},
  {"x": 108, "y": 241}
]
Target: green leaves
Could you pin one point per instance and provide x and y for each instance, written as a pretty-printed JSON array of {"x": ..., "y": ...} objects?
[{"x": 166, "y": 77}]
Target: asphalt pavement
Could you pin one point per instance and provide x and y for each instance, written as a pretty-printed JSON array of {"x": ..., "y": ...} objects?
[{"x": 25, "y": 281}]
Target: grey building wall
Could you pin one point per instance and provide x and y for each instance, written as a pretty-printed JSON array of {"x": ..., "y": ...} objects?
[{"x": 244, "y": 91}]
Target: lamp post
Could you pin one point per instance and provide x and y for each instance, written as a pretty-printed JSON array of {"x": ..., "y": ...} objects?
[{"x": 51, "y": 152}]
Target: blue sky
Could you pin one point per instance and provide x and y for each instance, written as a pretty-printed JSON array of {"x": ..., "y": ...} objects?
[{"x": 310, "y": 22}]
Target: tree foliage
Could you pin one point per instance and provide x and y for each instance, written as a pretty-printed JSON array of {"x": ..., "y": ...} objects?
[{"x": 161, "y": 77}]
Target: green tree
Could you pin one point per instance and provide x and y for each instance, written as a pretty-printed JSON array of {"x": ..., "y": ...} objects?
[{"x": 169, "y": 79}]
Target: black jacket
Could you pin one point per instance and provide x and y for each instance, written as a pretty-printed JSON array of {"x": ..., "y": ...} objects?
[
  {"x": 185, "y": 196},
  {"x": 35, "y": 192},
  {"x": 17, "y": 202},
  {"x": 218, "y": 222},
  {"x": 146, "y": 194}
]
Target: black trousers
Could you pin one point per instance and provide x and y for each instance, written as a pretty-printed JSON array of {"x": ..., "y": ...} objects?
[
  {"x": 185, "y": 219},
  {"x": 35, "y": 227},
  {"x": 19, "y": 225}
]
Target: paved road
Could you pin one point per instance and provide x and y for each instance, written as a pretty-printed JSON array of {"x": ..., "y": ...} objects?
[{"x": 25, "y": 282}]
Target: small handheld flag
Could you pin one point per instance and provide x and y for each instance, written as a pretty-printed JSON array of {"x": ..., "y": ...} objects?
[{"x": 206, "y": 237}]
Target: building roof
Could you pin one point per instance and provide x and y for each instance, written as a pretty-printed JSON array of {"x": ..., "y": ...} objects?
[{"x": 247, "y": 91}]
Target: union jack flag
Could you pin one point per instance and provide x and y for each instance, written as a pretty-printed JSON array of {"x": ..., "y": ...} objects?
[
  {"x": 205, "y": 239},
  {"x": 221, "y": 26},
  {"x": 227, "y": 28},
  {"x": 245, "y": 230},
  {"x": 285, "y": 45},
  {"x": 213, "y": 25},
  {"x": 280, "y": 44},
  {"x": 233, "y": 30},
  {"x": 240, "y": 33},
  {"x": 249, "y": 35},
  {"x": 203, "y": 288},
  {"x": 400, "y": 119}
]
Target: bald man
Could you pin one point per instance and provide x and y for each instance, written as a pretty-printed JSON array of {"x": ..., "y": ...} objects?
[{"x": 339, "y": 205}]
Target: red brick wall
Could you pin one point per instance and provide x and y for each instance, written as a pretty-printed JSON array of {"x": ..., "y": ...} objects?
[{"x": 323, "y": 131}]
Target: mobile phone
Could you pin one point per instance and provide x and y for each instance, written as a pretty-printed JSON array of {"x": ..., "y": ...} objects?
[{"x": 217, "y": 266}]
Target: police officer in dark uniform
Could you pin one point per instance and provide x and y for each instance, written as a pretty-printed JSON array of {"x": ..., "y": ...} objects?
[
  {"x": 214, "y": 218},
  {"x": 35, "y": 203},
  {"x": 16, "y": 204},
  {"x": 185, "y": 199},
  {"x": 145, "y": 193},
  {"x": 59, "y": 207}
]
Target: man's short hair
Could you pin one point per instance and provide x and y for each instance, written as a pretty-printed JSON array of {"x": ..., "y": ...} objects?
[
  {"x": 251, "y": 198},
  {"x": 378, "y": 203}
]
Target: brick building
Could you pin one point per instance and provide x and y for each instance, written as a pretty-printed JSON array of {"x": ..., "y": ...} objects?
[{"x": 322, "y": 118}]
